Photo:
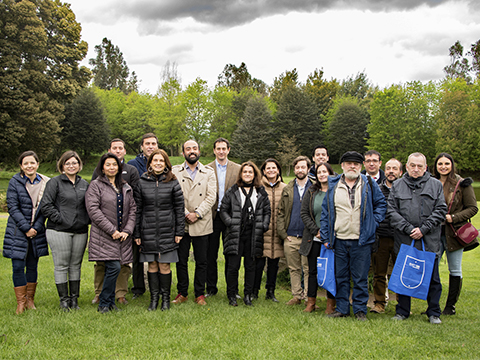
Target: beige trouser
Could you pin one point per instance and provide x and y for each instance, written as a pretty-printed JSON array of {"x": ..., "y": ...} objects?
[
  {"x": 121, "y": 287},
  {"x": 295, "y": 263}
]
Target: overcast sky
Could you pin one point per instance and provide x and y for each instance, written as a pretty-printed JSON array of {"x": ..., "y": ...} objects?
[{"x": 393, "y": 41}]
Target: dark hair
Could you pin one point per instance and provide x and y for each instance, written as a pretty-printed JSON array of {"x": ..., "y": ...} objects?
[
  {"x": 169, "y": 176},
  {"x": 148, "y": 136},
  {"x": 195, "y": 141},
  {"x": 68, "y": 155},
  {"x": 219, "y": 140},
  {"x": 318, "y": 185},
  {"x": 24, "y": 155},
  {"x": 264, "y": 165},
  {"x": 117, "y": 140},
  {"x": 256, "y": 180},
  {"x": 302, "y": 158},
  {"x": 451, "y": 177},
  {"x": 118, "y": 176},
  {"x": 319, "y": 147},
  {"x": 373, "y": 152}
]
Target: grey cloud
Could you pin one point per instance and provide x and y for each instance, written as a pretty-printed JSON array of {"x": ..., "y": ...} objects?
[{"x": 237, "y": 12}]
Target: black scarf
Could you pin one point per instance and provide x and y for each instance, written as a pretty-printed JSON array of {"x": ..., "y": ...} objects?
[{"x": 248, "y": 214}]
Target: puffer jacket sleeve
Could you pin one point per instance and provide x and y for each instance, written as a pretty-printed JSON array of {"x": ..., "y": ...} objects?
[
  {"x": 93, "y": 199},
  {"x": 129, "y": 226},
  {"x": 267, "y": 210},
  {"x": 137, "y": 192},
  {"x": 48, "y": 207},
  {"x": 226, "y": 208},
  {"x": 14, "y": 207},
  {"x": 179, "y": 208}
]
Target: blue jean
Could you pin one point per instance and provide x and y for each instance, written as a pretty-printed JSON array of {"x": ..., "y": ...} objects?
[
  {"x": 352, "y": 260},
  {"x": 30, "y": 263},
  {"x": 454, "y": 258},
  {"x": 107, "y": 296}
]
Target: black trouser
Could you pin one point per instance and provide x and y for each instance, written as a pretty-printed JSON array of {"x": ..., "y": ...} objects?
[
  {"x": 212, "y": 254},
  {"x": 272, "y": 270},
  {"x": 137, "y": 271},
  {"x": 233, "y": 264},
  {"x": 312, "y": 270},
  {"x": 200, "y": 244},
  {"x": 433, "y": 297}
]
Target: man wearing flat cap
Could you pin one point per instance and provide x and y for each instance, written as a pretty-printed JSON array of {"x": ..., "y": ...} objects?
[{"x": 353, "y": 207}]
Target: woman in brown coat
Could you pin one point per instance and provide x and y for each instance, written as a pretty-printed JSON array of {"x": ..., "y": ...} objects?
[
  {"x": 463, "y": 206},
  {"x": 272, "y": 245},
  {"x": 110, "y": 205}
]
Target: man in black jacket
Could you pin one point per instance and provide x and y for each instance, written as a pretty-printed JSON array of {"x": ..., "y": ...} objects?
[
  {"x": 130, "y": 175},
  {"x": 384, "y": 241}
]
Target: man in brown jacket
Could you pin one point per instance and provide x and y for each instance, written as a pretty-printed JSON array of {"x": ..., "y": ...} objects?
[
  {"x": 199, "y": 188},
  {"x": 226, "y": 173}
]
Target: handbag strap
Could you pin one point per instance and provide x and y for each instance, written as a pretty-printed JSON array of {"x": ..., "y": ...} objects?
[{"x": 454, "y": 192}]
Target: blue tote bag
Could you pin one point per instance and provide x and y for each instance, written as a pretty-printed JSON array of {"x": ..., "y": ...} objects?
[
  {"x": 412, "y": 271},
  {"x": 326, "y": 270}
]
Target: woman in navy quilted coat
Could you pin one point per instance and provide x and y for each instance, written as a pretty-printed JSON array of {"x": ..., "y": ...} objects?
[{"x": 25, "y": 240}]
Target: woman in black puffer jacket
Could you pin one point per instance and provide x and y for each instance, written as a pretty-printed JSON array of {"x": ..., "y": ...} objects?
[
  {"x": 245, "y": 210},
  {"x": 160, "y": 224}
]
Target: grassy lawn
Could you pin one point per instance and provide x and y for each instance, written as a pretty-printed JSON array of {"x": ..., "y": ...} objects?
[{"x": 217, "y": 331}]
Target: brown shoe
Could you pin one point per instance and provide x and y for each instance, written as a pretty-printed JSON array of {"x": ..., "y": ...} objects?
[
  {"x": 96, "y": 299},
  {"x": 378, "y": 309},
  {"x": 21, "y": 295},
  {"x": 294, "y": 301},
  {"x": 31, "y": 287},
  {"x": 122, "y": 300},
  {"x": 331, "y": 303},
  {"x": 310, "y": 305},
  {"x": 180, "y": 299},
  {"x": 201, "y": 300}
]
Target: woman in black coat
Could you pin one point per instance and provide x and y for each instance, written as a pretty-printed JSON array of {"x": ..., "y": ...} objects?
[
  {"x": 25, "y": 240},
  {"x": 160, "y": 224},
  {"x": 245, "y": 210}
]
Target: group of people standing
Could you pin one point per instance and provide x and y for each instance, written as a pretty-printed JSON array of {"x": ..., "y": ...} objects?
[{"x": 150, "y": 211}]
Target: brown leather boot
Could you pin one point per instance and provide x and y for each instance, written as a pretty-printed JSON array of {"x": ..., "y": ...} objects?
[
  {"x": 21, "y": 294},
  {"x": 331, "y": 303},
  {"x": 31, "y": 287},
  {"x": 310, "y": 304}
]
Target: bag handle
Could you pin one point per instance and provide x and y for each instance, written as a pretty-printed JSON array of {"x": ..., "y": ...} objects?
[{"x": 413, "y": 244}]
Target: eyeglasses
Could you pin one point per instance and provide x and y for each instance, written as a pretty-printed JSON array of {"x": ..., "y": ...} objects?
[{"x": 71, "y": 164}]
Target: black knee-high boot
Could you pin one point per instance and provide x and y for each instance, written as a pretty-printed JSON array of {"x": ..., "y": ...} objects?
[
  {"x": 154, "y": 285},
  {"x": 165, "y": 284},
  {"x": 454, "y": 288}
]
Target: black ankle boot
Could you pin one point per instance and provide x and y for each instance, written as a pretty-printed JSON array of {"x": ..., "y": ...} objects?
[
  {"x": 165, "y": 284},
  {"x": 248, "y": 300},
  {"x": 454, "y": 288},
  {"x": 63, "y": 294},
  {"x": 74, "y": 294},
  {"x": 270, "y": 295},
  {"x": 154, "y": 290}
]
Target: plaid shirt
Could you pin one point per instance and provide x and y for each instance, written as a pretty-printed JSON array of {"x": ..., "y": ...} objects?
[{"x": 351, "y": 191}]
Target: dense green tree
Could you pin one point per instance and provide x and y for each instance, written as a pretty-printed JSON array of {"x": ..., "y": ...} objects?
[
  {"x": 402, "y": 120},
  {"x": 254, "y": 138},
  {"x": 40, "y": 51},
  {"x": 111, "y": 70},
  {"x": 198, "y": 111},
  {"x": 297, "y": 116},
  {"x": 284, "y": 81},
  {"x": 322, "y": 92},
  {"x": 224, "y": 121},
  {"x": 169, "y": 115},
  {"x": 84, "y": 128},
  {"x": 287, "y": 151},
  {"x": 238, "y": 78},
  {"x": 346, "y": 123},
  {"x": 459, "y": 123},
  {"x": 459, "y": 67}
]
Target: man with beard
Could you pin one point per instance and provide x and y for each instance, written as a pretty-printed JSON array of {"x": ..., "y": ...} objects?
[
  {"x": 148, "y": 145},
  {"x": 290, "y": 227},
  {"x": 384, "y": 244},
  {"x": 352, "y": 209},
  {"x": 416, "y": 210},
  {"x": 199, "y": 188}
]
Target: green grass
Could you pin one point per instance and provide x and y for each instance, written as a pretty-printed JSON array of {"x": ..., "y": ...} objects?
[{"x": 217, "y": 331}]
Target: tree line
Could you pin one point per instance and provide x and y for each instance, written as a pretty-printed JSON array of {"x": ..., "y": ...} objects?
[{"x": 49, "y": 103}]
